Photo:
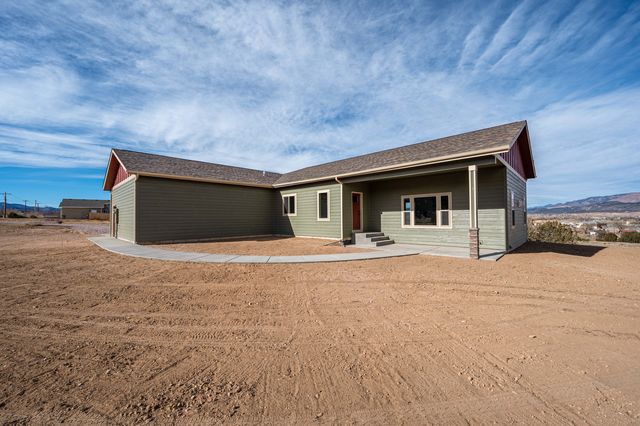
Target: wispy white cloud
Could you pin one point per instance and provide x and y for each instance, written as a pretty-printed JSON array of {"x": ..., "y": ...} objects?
[{"x": 279, "y": 86}]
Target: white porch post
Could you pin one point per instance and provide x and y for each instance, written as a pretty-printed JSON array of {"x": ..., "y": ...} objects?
[{"x": 474, "y": 232}]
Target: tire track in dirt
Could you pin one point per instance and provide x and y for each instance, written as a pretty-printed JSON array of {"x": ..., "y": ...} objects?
[{"x": 496, "y": 370}]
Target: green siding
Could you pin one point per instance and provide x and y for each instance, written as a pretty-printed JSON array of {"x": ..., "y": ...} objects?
[
  {"x": 305, "y": 222},
  {"x": 176, "y": 210},
  {"x": 517, "y": 234},
  {"x": 384, "y": 205},
  {"x": 347, "y": 221},
  {"x": 123, "y": 197}
]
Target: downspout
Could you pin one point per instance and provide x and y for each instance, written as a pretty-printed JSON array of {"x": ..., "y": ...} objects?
[{"x": 341, "y": 212}]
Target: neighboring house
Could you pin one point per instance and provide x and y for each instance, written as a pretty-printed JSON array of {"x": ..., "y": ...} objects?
[
  {"x": 71, "y": 208},
  {"x": 463, "y": 190}
]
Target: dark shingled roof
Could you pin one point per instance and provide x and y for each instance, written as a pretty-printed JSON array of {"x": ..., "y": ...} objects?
[
  {"x": 87, "y": 204},
  {"x": 491, "y": 139},
  {"x": 486, "y": 141},
  {"x": 140, "y": 162}
]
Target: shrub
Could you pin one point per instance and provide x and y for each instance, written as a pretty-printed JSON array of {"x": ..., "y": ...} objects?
[
  {"x": 630, "y": 237},
  {"x": 551, "y": 232},
  {"x": 14, "y": 215},
  {"x": 33, "y": 216},
  {"x": 606, "y": 236}
]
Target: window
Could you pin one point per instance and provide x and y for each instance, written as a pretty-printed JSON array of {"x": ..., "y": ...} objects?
[
  {"x": 427, "y": 210},
  {"x": 406, "y": 213},
  {"x": 289, "y": 205},
  {"x": 323, "y": 205},
  {"x": 513, "y": 209},
  {"x": 445, "y": 213}
]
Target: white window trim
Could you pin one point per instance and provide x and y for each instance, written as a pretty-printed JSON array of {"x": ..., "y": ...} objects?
[
  {"x": 318, "y": 218},
  {"x": 411, "y": 198},
  {"x": 295, "y": 204}
]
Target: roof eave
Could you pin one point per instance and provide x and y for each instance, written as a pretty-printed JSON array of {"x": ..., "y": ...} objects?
[
  {"x": 196, "y": 179},
  {"x": 533, "y": 164},
  {"x": 437, "y": 160}
]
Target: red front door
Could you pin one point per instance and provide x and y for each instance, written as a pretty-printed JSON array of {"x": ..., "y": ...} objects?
[{"x": 355, "y": 211}]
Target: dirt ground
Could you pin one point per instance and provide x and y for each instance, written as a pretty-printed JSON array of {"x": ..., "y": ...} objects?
[
  {"x": 549, "y": 334},
  {"x": 266, "y": 246}
]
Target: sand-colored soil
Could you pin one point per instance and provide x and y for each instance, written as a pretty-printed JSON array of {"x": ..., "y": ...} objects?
[
  {"x": 265, "y": 246},
  {"x": 545, "y": 335}
]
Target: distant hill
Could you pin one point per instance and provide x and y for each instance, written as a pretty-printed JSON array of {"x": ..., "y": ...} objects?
[
  {"x": 30, "y": 209},
  {"x": 604, "y": 204}
]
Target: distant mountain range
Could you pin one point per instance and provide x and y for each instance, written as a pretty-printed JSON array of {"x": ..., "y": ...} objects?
[
  {"x": 30, "y": 209},
  {"x": 629, "y": 202}
]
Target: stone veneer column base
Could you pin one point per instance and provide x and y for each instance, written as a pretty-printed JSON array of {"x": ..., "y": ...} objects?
[{"x": 474, "y": 243}]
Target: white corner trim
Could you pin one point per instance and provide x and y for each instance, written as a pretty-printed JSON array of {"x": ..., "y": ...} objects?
[{"x": 341, "y": 210}]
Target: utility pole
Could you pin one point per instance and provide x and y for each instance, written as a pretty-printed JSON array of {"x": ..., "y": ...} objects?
[
  {"x": 25, "y": 207},
  {"x": 5, "y": 205},
  {"x": 36, "y": 204}
]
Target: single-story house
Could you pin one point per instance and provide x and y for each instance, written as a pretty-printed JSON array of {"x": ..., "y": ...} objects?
[
  {"x": 466, "y": 190},
  {"x": 72, "y": 208}
]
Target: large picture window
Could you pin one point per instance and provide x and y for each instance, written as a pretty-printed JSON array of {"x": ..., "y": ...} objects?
[
  {"x": 426, "y": 210},
  {"x": 323, "y": 205},
  {"x": 289, "y": 205}
]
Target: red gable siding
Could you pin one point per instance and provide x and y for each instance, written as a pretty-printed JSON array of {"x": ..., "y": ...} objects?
[
  {"x": 120, "y": 175},
  {"x": 116, "y": 173},
  {"x": 514, "y": 158}
]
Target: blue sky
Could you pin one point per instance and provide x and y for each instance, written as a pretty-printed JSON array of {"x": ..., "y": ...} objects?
[{"x": 279, "y": 85}]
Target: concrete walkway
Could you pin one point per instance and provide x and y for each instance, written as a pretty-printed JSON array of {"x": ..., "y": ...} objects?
[{"x": 396, "y": 250}]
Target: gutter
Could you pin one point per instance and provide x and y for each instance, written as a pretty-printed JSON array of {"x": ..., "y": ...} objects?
[
  {"x": 341, "y": 212},
  {"x": 401, "y": 166}
]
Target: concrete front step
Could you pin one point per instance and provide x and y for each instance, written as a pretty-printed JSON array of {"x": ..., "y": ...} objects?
[{"x": 372, "y": 239}]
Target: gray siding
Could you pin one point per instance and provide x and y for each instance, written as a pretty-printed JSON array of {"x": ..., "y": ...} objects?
[
  {"x": 384, "y": 208},
  {"x": 305, "y": 222},
  {"x": 175, "y": 210},
  {"x": 74, "y": 213},
  {"x": 517, "y": 234},
  {"x": 123, "y": 197}
]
